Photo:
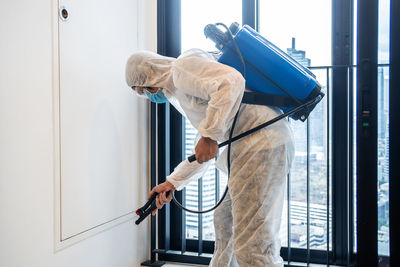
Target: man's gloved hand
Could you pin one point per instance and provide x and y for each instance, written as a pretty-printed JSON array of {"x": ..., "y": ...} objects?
[
  {"x": 162, "y": 198},
  {"x": 206, "y": 149}
]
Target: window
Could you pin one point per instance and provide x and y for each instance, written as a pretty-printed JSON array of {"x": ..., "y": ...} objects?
[
  {"x": 290, "y": 25},
  {"x": 212, "y": 185},
  {"x": 319, "y": 219},
  {"x": 195, "y": 16},
  {"x": 383, "y": 127},
  {"x": 383, "y": 161}
]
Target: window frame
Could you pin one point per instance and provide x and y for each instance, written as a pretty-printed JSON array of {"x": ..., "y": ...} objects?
[
  {"x": 394, "y": 132},
  {"x": 168, "y": 124},
  {"x": 367, "y": 101}
]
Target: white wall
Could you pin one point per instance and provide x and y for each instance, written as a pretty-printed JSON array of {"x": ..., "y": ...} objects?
[{"x": 27, "y": 145}]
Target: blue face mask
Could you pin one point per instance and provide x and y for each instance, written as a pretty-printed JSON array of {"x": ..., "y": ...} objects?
[{"x": 158, "y": 97}]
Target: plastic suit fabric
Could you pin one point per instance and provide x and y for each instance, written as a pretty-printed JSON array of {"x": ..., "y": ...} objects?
[
  {"x": 247, "y": 222},
  {"x": 208, "y": 94}
]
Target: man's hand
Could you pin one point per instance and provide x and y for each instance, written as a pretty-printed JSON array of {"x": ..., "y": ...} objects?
[
  {"x": 206, "y": 149},
  {"x": 162, "y": 198}
]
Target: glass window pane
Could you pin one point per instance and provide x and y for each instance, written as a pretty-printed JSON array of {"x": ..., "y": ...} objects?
[
  {"x": 191, "y": 192},
  {"x": 209, "y": 192},
  {"x": 209, "y": 183},
  {"x": 303, "y": 30},
  {"x": 195, "y": 16},
  {"x": 318, "y": 167},
  {"x": 383, "y": 128},
  {"x": 309, "y": 22},
  {"x": 383, "y": 161},
  {"x": 313, "y": 150},
  {"x": 298, "y": 193},
  {"x": 383, "y": 31}
]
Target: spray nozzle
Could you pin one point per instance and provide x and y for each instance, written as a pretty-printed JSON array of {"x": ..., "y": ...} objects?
[{"x": 219, "y": 37}]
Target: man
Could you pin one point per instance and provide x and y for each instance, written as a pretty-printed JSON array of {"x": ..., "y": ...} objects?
[{"x": 209, "y": 94}]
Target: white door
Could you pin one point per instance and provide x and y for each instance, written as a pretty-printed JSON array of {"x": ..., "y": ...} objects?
[{"x": 100, "y": 120}]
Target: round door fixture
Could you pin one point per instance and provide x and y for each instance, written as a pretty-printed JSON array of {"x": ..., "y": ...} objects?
[{"x": 64, "y": 13}]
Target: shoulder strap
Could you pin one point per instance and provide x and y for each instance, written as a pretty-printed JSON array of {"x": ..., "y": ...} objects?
[{"x": 257, "y": 98}]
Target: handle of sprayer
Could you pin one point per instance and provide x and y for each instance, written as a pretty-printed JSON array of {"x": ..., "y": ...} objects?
[
  {"x": 148, "y": 208},
  {"x": 193, "y": 157}
]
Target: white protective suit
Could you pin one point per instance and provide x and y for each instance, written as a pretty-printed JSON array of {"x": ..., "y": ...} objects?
[{"x": 209, "y": 94}]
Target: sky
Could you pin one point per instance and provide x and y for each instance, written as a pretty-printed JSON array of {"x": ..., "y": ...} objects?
[{"x": 309, "y": 21}]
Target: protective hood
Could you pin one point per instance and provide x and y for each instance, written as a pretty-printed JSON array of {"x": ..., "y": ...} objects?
[{"x": 148, "y": 69}]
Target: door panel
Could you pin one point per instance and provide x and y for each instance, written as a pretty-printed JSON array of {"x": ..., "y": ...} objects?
[{"x": 98, "y": 114}]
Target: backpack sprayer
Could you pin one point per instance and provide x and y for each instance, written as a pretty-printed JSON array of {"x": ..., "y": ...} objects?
[{"x": 272, "y": 77}]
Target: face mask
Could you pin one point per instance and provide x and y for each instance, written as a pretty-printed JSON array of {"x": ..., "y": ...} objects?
[{"x": 158, "y": 97}]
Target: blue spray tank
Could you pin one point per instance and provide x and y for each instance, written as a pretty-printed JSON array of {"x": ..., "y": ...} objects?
[{"x": 272, "y": 76}]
